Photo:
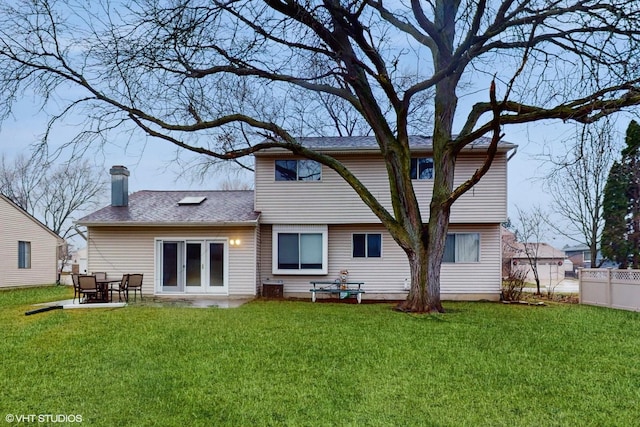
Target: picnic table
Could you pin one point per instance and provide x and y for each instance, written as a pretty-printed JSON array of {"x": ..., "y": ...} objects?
[{"x": 343, "y": 289}]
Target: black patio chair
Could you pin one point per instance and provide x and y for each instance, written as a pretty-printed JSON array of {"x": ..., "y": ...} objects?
[
  {"x": 76, "y": 287},
  {"x": 120, "y": 287},
  {"x": 88, "y": 287},
  {"x": 135, "y": 284}
]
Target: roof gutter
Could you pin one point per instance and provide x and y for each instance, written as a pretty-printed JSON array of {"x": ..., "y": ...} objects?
[{"x": 253, "y": 223}]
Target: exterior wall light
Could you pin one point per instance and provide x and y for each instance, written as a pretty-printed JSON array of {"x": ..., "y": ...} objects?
[{"x": 235, "y": 242}]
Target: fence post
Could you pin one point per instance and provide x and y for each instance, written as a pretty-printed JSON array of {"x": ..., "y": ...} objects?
[
  {"x": 609, "y": 274},
  {"x": 579, "y": 285}
]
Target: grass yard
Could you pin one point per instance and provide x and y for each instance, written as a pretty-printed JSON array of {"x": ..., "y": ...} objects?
[{"x": 303, "y": 364}]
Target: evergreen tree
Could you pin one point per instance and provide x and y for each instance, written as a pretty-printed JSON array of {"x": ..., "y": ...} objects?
[
  {"x": 614, "y": 246},
  {"x": 621, "y": 205}
]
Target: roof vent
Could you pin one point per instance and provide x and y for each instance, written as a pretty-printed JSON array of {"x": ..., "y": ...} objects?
[{"x": 192, "y": 200}]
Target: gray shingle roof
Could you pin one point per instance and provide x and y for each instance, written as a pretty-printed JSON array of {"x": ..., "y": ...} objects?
[
  {"x": 366, "y": 143},
  {"x": 543, "y": 251},
  {"x": 161, "y": 208}
]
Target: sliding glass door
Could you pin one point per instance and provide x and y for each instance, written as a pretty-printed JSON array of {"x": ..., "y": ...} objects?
[
  {"x": 171, "y": 266},
  {"x": 192, "y": 266},
  {"x": 216, "y": 266}
]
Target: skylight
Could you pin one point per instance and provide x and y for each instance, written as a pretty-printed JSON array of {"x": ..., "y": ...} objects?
[{"x": 192, "y": 200}]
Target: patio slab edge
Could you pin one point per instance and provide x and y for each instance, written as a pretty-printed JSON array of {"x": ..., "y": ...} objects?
[
  {"x": 70, "y": 304},
  {"x": 96, "y": 305}
]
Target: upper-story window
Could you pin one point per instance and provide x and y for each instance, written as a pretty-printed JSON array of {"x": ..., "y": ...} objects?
[
  {"x": 298, "y": 170},
  {"x": 422, "y": 168}
]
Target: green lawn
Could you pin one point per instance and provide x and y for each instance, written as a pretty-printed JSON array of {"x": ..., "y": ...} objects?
[{"x": 297, "y": 363}]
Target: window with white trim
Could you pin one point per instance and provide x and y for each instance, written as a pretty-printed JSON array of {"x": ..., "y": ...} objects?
[
  {"x": 422, "y": 168},
  {"x": 367, "y": 245},
  {"x": 300, "y": 249},
  {"x": 298, "y": 170},
  {"x": 24, "y": 254},
  {"x": 462, "y": 247}
]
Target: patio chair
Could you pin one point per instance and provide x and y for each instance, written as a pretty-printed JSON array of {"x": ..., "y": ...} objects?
[
  {"x": 76, "y": 287},
  {"x": 135, "y": 284},
  {"x": 120, "y": 287},
  {"x": 88, "y": 286},
  {"x": 100, "y": 275}
]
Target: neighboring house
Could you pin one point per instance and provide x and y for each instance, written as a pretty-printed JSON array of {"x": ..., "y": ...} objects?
[
  {"x": 549, "y": 260},
  {"x": 79, "y": 261},
  {"x": 580, "y": 255},
  {"x": 509, "y": 249},
  {"x": 28, "y": 251},
  {"x": 302, "y": 223}
]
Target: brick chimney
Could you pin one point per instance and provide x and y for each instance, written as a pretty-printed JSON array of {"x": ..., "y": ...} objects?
[{"x": 119, "y": 186}]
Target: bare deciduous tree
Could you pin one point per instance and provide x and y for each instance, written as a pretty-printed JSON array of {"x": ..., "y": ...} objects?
[
  {"x": 531, "y": 230},
  {"x": 576, "y": 184},
  {"x": 235, "y": 184},
  {"x": 20, "y": 180},
  {"x": 53, "y": 194},
  {"x": 187, "y": 71}
]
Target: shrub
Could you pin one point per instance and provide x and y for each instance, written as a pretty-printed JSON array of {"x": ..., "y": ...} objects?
[{"x": 512, "y": 286}]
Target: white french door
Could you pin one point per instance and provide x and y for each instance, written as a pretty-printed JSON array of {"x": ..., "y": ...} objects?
[{"x": 192, "y": 266}]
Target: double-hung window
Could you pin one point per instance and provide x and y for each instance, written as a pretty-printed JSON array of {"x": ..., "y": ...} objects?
[
  {"x": 367, "y": 245},
  {"x": 422, "y": 168},
  {"x": 24, "y": 254},
  {"x": 300, "y": 249},
  {"x": 462, "y": 247},
  {"x": 297, "y": 170}
]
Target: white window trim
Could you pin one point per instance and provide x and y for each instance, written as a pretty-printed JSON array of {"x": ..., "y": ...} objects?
[
  {"x": 26, "y": 245},
  {"x": 157, "y": 263},
  {"x": 298, "y": 171},
  {"x": 366, "y": 233},
  {"x": 479, "y": 248},
  {"x": 321, "y": 229},
  {"x": 417, "y": 178}
]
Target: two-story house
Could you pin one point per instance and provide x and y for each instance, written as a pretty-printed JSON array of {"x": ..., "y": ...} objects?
[{"x": 301, "y": 223}]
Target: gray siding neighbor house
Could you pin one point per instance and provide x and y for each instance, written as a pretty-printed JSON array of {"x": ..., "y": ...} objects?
[{"x": 301, "y": 223}]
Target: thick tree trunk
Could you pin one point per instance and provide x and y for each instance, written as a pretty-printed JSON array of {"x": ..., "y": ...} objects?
[
  {"x": 424, "y": 294},
  {"x": 426, "y": 251},
  {"x": 425, "y": 260}
]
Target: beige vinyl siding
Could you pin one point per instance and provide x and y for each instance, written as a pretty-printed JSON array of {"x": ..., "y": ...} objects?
[
  {"x": 258, "y": 260},
  {"x": 17, "y": 226},
  {"x": 332, "y": 201},
  {"x": 119, "y": 250},
  {"x": 388, "y": 274}
]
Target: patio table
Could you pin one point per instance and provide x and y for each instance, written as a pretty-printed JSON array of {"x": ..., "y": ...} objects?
[{"x": 103, "y": 287}]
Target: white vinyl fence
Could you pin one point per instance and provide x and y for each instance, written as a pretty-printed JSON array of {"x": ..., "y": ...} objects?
[{"x": 610, "y": 288}]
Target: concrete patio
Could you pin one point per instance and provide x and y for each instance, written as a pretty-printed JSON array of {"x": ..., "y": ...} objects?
[{"x": 166, "y": 301}]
